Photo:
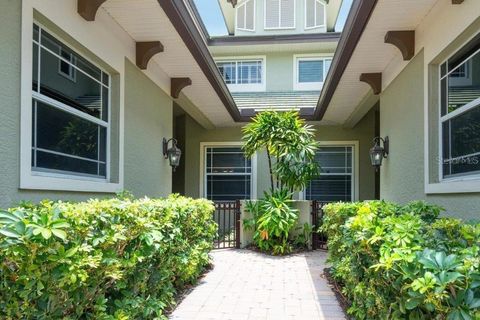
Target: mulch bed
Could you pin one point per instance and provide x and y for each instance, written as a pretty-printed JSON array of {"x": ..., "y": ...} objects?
[{"x": 337, "y": 289}]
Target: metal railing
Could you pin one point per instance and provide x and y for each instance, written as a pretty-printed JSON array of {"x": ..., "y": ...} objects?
[
  {"x": 227, "y": 217},
  {"x": 319, "y": 240}
]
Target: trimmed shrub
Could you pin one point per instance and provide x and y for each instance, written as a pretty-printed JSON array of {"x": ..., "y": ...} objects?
[
  {"x": 404, "y": 262},
  {"x": 101, "y": 259}
]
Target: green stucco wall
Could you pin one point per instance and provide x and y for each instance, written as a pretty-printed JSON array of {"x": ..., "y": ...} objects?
[
  {"x": 195, "y": 134},
  {"x": 402, "y": 119},
  {"x": 148, "y": 118}
]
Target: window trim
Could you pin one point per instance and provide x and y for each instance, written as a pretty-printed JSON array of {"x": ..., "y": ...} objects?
[
  {"x": 204, "y": 145},
  {"x": 254, "y": 16},
  {"x": 37, "y": 180},
  {"x": 324, "y": 15},
  {"x": 457, "y": 112},
  {"x": 253, "y": 87},
  {"x": 355, "y": 144},
  {"x": 279, "y": 17},
  {"x": 308, "y": 86}
]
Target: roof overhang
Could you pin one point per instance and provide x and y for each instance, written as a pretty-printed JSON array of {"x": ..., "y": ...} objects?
[
  {"x": 376, "y": 35},
  {"x": 274, "y": 39}
]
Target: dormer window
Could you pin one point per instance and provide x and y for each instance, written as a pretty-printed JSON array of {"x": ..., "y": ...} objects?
[
  {"x": 279, "y": 14},
  {"x": 245, "y": 16},
  {"x": 315, "y": 14}
]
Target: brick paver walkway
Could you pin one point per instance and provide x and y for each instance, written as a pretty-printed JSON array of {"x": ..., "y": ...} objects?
[{"x": 249, "y": 285}]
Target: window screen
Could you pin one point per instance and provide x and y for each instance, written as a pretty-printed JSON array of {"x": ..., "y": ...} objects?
[
  {"x": 279, "y": 14},
  {"x": 246, "y": 15},
  {"x": 314, "y": 14},
  {"x": 228, "y": 174},
  {"x": 335, "y": 182},
  {"x": 460, "y": 111}
]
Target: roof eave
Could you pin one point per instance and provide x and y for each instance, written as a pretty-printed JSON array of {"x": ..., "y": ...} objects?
[
  {"x": 274, "y": 39},
  {"x": 357, "y": 20}
]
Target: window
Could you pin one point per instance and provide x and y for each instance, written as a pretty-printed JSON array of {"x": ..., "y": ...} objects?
[
  {"x": 245, "y": 16},
  {"x": 336, "y": 181},
  {"x": 460, "y": 112},
  {"x": 243, "y": 75},
  {"x": 315, "y": 14},
  {"x": 228, "y": 174},
  {"x": 70, "y": 119},
  {"x": 310, "y": 72},
  {"x": 279, "y": 14}
]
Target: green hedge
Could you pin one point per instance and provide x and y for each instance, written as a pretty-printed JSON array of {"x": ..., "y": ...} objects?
[
  {"x": 404, "y": 262},
  {"x": 101, "y": 259}
]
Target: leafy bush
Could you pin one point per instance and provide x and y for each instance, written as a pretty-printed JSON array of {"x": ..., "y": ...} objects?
[
  {"x": 101, "y": 259},
  {"x": 405, "y": 262},
  {"x": 273, "y": 221}
]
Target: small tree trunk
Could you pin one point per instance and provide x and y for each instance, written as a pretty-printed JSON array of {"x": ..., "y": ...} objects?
[{"x": 270, "y": 169}]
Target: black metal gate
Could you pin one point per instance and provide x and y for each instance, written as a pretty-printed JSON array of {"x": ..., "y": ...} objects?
[
  {"x": 319, "y": 240},
  {"x": 227, "y": 216}
]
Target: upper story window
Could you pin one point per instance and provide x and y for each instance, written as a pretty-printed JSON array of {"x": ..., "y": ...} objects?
[
  {"x": 70, "y": 119},
  {"x": 460, "y": 112},
  {"x": 310, "y": 72},
  {"x": 245, "y": 15},
  {"x": 315, "y": 14},
  {"x": 280, "y": 14},
  {"x": 243, "y": 74}
]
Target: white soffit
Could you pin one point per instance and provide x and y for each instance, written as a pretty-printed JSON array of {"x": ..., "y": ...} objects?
[
  {"x": 320, "y": 47},
  {"x": 144, "y": 20},
  {"x": 372, "y": 54}
]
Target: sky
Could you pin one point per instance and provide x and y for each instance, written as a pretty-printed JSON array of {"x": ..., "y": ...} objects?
[{"x": 213, "y": 20}]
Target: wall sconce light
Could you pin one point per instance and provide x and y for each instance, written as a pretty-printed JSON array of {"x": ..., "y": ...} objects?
[
  {"x": 377, "y": 152},
  {"x": 173, "y": 154}
]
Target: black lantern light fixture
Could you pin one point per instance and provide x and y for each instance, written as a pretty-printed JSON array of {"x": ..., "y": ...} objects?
[
  {"x": 173, "y": 154},
  {"x": 377, "y": 152}
]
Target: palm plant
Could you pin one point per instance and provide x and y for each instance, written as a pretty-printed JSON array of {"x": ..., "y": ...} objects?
[{"x": 290, "y": 145}]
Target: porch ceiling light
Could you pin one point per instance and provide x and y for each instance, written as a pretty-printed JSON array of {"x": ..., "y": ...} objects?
[
  {"x": 173, "y": 154},
  {"x": 377, "y": 152}
]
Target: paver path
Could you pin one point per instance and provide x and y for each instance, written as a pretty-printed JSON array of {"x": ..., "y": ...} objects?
[{"x": 249, "y": 285}]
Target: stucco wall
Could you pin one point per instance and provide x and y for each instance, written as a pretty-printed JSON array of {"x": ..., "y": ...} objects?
[
  {"x": 402, "y": 119},
  {"x": 148, "y": 119},
  {"x": 195, "y": 134}
]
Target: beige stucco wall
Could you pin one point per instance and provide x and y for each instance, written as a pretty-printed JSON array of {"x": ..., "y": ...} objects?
[
  {"x": 148, "y": 118},
  {"x": 402, "y": 119},
  {"x": 195, "y": 135}
]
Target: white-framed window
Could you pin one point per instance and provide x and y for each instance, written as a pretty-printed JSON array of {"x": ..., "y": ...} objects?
[
  {"x": 315, "y": 14},
  {"x": 245, "y": 15},
  {"x": 310, "y": 72},
  {"x": 460, "y": 114},
  {"x": 279, "y": 14},
  {"x": 243, "y": 74},
  {"x": 70, "y": 119},
  {"x": 226, "y": 173},
  {"x": 338, "y": 178}
]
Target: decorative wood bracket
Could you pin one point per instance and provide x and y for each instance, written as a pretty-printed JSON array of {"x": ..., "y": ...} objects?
[
  {"x": 233, "y": 2},
  {"x": 88, "y": 8},
  {"x": 145, "y": 51},
  {"x": 374, "y": 80},
  {"x": 177, "y": 84},
  {"x": 457, "y": 1},
  {"x": 403, "y": 40}
]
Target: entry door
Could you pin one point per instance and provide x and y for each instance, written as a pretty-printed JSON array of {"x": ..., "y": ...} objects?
[{"x": 336, "y": 181}]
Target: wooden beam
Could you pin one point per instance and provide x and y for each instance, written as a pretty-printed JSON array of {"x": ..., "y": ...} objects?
[
  {"x": 404, "y": 41},
  {"x": 457, "y": 1},
  {"x": 88, "y": 8},
  {"x": 177, "y": 84},
  {"x": 145, "y": 51},
  {"x": 374, "y": 80}
]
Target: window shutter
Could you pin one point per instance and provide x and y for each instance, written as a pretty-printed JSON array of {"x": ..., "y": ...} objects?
[
  {"x": 287, "y": 11},
  {"x": 241, "y": 17},
  {"x": 272, "y": 13},
  {"x": 310, "y": 13},
  {"x": 250, "y": 15},
  {"x": 319, "y": 14}
]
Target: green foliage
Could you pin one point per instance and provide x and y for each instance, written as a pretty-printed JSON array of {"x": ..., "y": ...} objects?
[
  {"x": 399, "y": 262},
  {"x": 273, "y": 221},
  {"x": 290, "y": 144},
  {"x": 101, "y": 259}
]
